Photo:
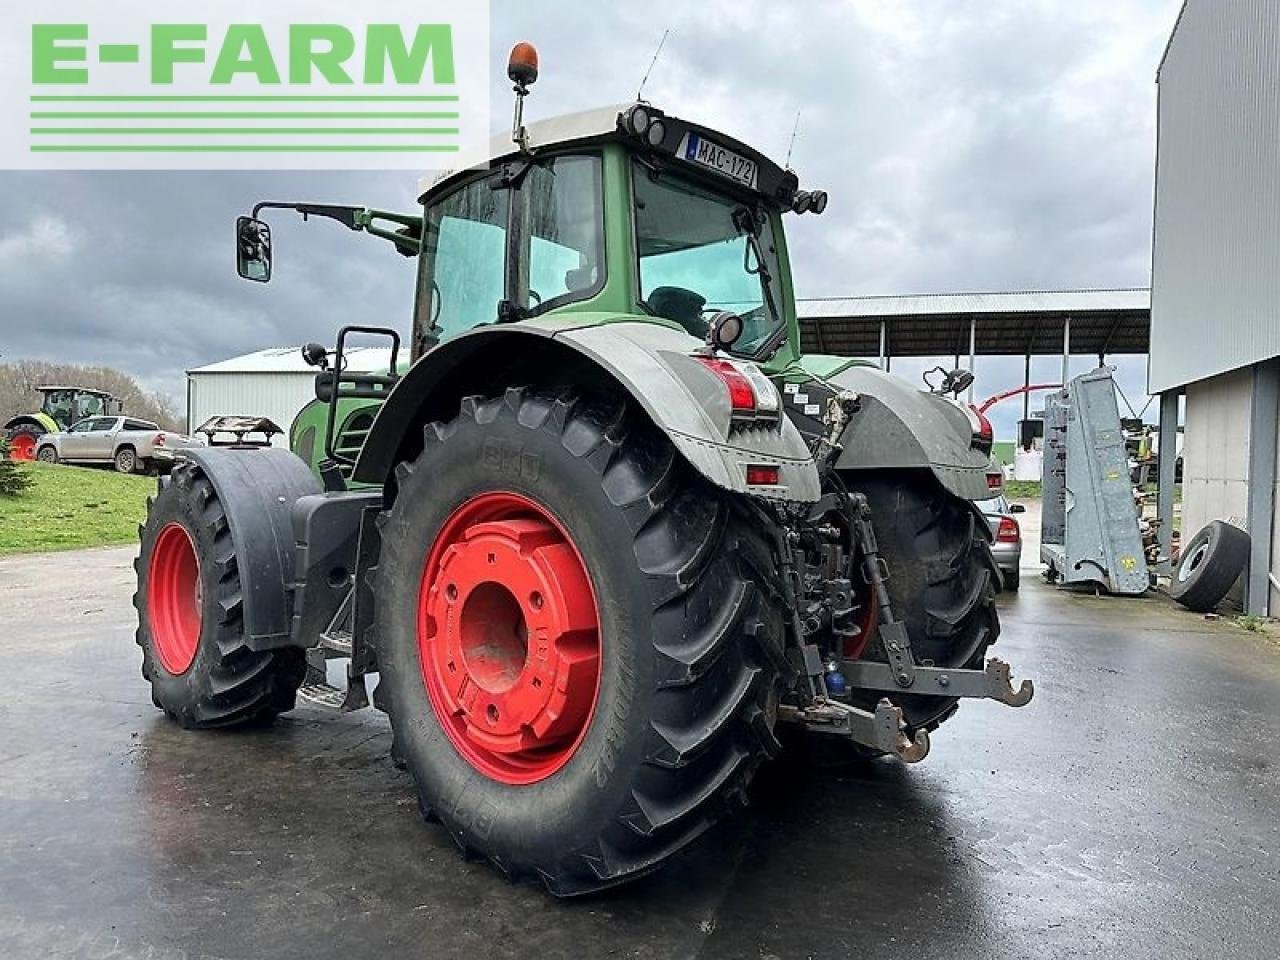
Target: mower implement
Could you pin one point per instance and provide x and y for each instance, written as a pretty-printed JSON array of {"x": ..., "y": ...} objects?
[{"x": 608, "y": 534}]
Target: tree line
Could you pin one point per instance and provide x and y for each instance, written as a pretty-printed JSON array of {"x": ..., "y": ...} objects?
[{"x": 18, "y": 382}]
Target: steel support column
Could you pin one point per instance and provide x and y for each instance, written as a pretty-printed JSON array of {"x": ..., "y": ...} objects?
[
  {"x": 1066, "y": 350},
  {"x": 884, "y": 343},
  {"x": 973, "y": 352},
  {"x": 1263, "y": 418},
  {"x": 1166, "y": 479},
  {"x": 1026, "y": 386}
]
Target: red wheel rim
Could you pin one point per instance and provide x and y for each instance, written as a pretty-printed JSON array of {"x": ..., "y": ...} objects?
[
  {"x": 174, "y": 599},
  {"x": 509, "y": 638},
  {"x": 22, "y": 447}
]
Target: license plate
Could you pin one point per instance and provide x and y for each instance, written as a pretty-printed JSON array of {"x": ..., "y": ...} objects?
[{"x": 724, "y": 161}]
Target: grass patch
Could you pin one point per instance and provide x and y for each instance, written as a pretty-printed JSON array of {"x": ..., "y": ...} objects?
[
  {"x": 1022, "y": 489},
  {"x": 71, "y": 507}
]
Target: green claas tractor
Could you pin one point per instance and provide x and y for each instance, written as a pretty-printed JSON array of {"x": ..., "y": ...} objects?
[
  {"x": 59, "y": 409},
  {"x": 609, "y": 539}
]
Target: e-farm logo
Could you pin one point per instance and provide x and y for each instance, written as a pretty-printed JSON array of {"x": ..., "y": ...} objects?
[{"x": 311, "y": 84}]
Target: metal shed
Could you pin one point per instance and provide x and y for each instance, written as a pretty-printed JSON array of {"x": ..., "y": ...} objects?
[{"x": 273, "y": 383}]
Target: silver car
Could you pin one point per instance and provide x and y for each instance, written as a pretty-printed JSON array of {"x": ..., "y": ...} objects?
[
  {"x": 131, "y": 445},
  {"x": 1007, "y": 537}
]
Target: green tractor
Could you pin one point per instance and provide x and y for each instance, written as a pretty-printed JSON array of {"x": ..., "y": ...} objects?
[
  {"x": 59, "y": 409},
  {"x": 609, "y": 539}
]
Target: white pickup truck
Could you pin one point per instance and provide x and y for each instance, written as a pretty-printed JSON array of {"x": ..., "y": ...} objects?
[{"x": 130, "y": 444}]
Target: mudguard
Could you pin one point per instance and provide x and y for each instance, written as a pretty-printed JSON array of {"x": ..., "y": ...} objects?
[
  {"x": 42, "y": 420},
  {"x": 257, "y": 489},
  {"x": 648, "y": 360},
  {"x": 901, "y": 427}
]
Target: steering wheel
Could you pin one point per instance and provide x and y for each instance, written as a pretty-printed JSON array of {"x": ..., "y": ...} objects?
[
  {"x": 436, "y": 303},
  {"x": 535, "y": 295}
]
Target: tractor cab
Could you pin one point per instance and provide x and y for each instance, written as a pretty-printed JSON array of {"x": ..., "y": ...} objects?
[{"x": 68, "y": 405}]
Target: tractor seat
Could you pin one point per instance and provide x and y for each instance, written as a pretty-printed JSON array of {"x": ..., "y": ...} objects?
[{"x": 681, "y": 305}]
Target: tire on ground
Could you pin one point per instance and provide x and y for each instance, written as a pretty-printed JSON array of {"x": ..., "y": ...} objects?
[
  {"x": 687, "y": 609},
  {"x": 224, "y": 684},
  {"x": 47, "y": 454},
  {"x": 1209, "y": 566},
  {"x": 942, "y": 580},
  {"x": 23, "y": 440},
  {"x": 126, "y": 460},
  {"x": 1012, "y": 580}
]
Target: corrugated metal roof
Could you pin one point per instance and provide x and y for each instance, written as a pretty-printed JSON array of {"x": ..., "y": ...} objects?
[
  {"x": 289, "y": 360},
  {"x": 953, "y": 304},
  {"x": 1009, "y": 324}
]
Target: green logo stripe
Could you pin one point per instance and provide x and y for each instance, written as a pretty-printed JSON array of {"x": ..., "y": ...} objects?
[
  {"x": 238, "y": 115},
  {"x": 241, "y": 148},
  {"x": 242, "y": 99},
  {"x": 225, "y": 131}
]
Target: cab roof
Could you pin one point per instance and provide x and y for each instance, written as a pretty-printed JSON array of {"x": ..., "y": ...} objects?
[
  {"x": 601, "y": 124},
  {"x": 48, "y": 388}
]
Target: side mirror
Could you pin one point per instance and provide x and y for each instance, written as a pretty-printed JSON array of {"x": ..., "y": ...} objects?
[
  {"x": 1017, "y": 508},
  {"x": 253, "y": 250}
]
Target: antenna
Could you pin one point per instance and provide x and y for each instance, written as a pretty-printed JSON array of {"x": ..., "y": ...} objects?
[
  {"x": 792, "y": 145},
  {"x": 656, "y": 54}
]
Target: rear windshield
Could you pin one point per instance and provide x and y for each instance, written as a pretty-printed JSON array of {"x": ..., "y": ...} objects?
[{"x": 139, "y": 425}]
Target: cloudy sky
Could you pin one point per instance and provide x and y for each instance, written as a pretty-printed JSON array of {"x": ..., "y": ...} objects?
[{"x": 967, "y": 145}]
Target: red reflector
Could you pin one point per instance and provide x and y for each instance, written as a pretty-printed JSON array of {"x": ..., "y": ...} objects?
[
  {"x": 741, "y": 396},
  {"x": 995, "y": 481},
  {"x": 762, "y": 475},
  {"x": 1008, "y": 531}
]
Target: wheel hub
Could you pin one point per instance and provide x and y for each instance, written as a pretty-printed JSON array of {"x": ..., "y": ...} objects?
[
  {"x": 509, "y": 638},
  {"x": 22, "y": 448},
  {"x": 174, "y": 599}
]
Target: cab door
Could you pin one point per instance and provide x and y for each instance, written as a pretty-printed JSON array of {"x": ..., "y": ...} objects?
[{"x": 96, "y": 442}]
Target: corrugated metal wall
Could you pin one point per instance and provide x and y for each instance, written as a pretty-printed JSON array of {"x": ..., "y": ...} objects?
[
  {"x": 1216, "y": 272},
  {"x": 276, "y": 395}
]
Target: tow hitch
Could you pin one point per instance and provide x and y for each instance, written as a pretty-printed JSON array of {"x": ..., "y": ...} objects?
[{"x": 885, "y": 730}]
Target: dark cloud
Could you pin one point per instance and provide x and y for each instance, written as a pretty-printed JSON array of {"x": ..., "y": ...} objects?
[{"x": 972, "y": 145}]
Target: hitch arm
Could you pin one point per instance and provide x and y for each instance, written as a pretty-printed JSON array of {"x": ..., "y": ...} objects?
[
  {"x": 992, "y": 683},
  {"x": 885, "y": 730}
]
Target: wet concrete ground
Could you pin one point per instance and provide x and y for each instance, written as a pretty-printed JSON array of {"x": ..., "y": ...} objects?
[{"x": 1131, "y": 811}]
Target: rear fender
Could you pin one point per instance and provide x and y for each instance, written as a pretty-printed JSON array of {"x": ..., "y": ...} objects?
[
  {"x": 41, "y": 420},
  {"x": 257, "y": 488},
  {"x": 649, "y": 361},
  {"x": 900, "y": 427}
]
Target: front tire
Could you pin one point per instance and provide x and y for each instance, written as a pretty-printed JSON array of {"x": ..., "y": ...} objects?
[
  {"x": 668, "y": 598},
  {"x": 190, "y": 627},
  {"x": 47, "y": 454}
]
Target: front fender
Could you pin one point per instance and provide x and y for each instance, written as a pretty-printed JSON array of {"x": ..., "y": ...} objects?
[
  {"x": 649, "y": 361},
  {"x": 900, "y": 427}
]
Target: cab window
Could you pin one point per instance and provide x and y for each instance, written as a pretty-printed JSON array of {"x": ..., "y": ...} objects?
[
  {"x": 562, "y": 217},
  {"x": 464, "y": 258}
]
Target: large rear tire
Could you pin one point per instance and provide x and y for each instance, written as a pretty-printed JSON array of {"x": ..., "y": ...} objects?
[
  {"x": 583, "y": 736},
  {"x": 23, "y": 440},
  {"x": 942, "y": 581},
  {"x": 190, "y": 627}
]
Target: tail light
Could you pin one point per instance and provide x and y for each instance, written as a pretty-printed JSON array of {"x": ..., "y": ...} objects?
[
  {"x": 995, "y": 481},
  {"x": 752, "y": 395},
  {"x": 983, "y": 434},
  {"x": 1008, "y": 531},
  {"x": 159, "y": 439}
]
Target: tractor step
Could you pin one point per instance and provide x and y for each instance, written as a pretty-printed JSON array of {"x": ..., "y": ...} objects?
[
  {"x": 322, "y": 695},
  {"x": 336, "y": 643}
]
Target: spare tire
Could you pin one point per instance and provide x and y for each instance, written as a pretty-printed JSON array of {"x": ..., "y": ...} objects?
[{"x": 1209, "y": 566}]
